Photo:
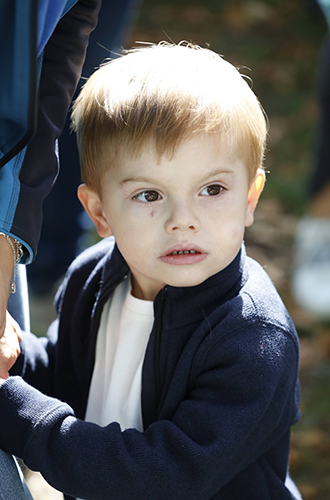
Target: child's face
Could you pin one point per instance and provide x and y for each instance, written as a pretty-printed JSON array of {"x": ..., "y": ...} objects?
[{"x": 179, "y": 221}]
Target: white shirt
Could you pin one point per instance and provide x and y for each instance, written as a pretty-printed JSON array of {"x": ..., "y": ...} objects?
[{"x": 115, "y": 391}]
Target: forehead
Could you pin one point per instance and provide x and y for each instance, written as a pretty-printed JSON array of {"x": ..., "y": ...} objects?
[{"x": 198, "y": 157}]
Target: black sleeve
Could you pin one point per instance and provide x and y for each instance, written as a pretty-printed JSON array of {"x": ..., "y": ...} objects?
[{"x": 63, "y": 59}]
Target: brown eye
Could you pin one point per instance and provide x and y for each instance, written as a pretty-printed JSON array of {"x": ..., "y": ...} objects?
[
  {"x": 211, "y": 190},
  {"x": 148, "y": 196}
]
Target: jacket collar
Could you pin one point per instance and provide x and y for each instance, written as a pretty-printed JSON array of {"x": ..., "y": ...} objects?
[{"x": 204, "y": 297}]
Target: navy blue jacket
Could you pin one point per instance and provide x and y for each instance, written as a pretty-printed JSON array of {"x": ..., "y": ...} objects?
[{"x": 219, "y": 391}]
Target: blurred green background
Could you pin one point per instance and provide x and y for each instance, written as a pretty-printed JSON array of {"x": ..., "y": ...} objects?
[{"x": 277, "y": 43}]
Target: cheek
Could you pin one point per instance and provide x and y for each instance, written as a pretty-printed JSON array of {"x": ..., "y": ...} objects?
[
  {"x": 230, "y": 218},
  {"x": 235, "y": 236},
  {"x": 236, "y": 232},
  {"x": 230, "y": 229},
  {"x": 133, "y": 234}
]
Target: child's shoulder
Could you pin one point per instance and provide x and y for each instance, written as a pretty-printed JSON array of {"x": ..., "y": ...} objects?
[
  {"x": 92, "y": 255},
  {"x": 254, "y": 310},
  {"x": 261, "y": 301},
  {"x": 87, "y": 267},
  {"x": 253, "y": 329},
  {"x": 91, "y": 260}
]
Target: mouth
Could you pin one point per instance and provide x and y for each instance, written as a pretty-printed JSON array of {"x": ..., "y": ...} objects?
[{"x": 183, "y": 255}]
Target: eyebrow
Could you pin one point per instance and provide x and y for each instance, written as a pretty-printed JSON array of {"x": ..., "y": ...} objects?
[
  {"x": 222, "y": 171},
  {"x": 148, "y": 180}
]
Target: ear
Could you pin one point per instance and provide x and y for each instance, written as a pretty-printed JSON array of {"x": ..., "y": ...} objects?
[
  {"x": 92, "y": 204},
  {"x": 254, "y": 193}
]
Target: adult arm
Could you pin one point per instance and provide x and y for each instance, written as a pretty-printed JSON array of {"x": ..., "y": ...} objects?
[
  {"x": 240, "y": 403},
  {"x": 6, "y": 268},
  {"x": 27, "y": 178},
  {"x": 9, "y": 347}
]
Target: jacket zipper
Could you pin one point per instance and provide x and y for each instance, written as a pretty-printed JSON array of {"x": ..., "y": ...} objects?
[{"x": 158, "y": 338}]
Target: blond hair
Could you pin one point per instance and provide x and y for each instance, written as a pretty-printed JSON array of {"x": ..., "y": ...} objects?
[{"x": 165, "y": 94}]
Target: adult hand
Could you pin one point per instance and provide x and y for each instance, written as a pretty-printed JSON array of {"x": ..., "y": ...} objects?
[
  {"x": 6, "y": 269},
  {"x": 9, "y": 346}
]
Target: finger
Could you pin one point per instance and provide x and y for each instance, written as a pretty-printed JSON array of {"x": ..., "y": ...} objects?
[
  {"x": 11, "y": 323},
  {"x": 8, "y": 359},
  {"x": 3, "y": 375},
  {"x": 9, "y": 351},
  {"x": 3, "y": 379}
]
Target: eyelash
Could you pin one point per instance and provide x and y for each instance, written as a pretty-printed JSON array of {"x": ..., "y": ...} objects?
[
  {"x": 156, "y": 196},
  {"x": 148, "y": 191},
  {"x": 211, "y": 187}
]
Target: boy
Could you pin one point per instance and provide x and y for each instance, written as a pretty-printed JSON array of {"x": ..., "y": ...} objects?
[{"x": 171, "y": 142}]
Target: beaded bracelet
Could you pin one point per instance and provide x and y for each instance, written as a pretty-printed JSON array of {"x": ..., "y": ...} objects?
[{"x": 17, "y": 249}]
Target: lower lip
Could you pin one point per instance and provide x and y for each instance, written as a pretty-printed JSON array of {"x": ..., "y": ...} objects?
[{"x": 183, "y": 259}]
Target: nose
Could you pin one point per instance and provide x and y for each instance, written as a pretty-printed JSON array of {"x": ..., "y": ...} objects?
[{"x": 182, "y": 218}]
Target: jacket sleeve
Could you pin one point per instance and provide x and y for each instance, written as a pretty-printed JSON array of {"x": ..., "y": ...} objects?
[
  {"x": 242, "y": 400},
  {"x": 27, "y": 178}
]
